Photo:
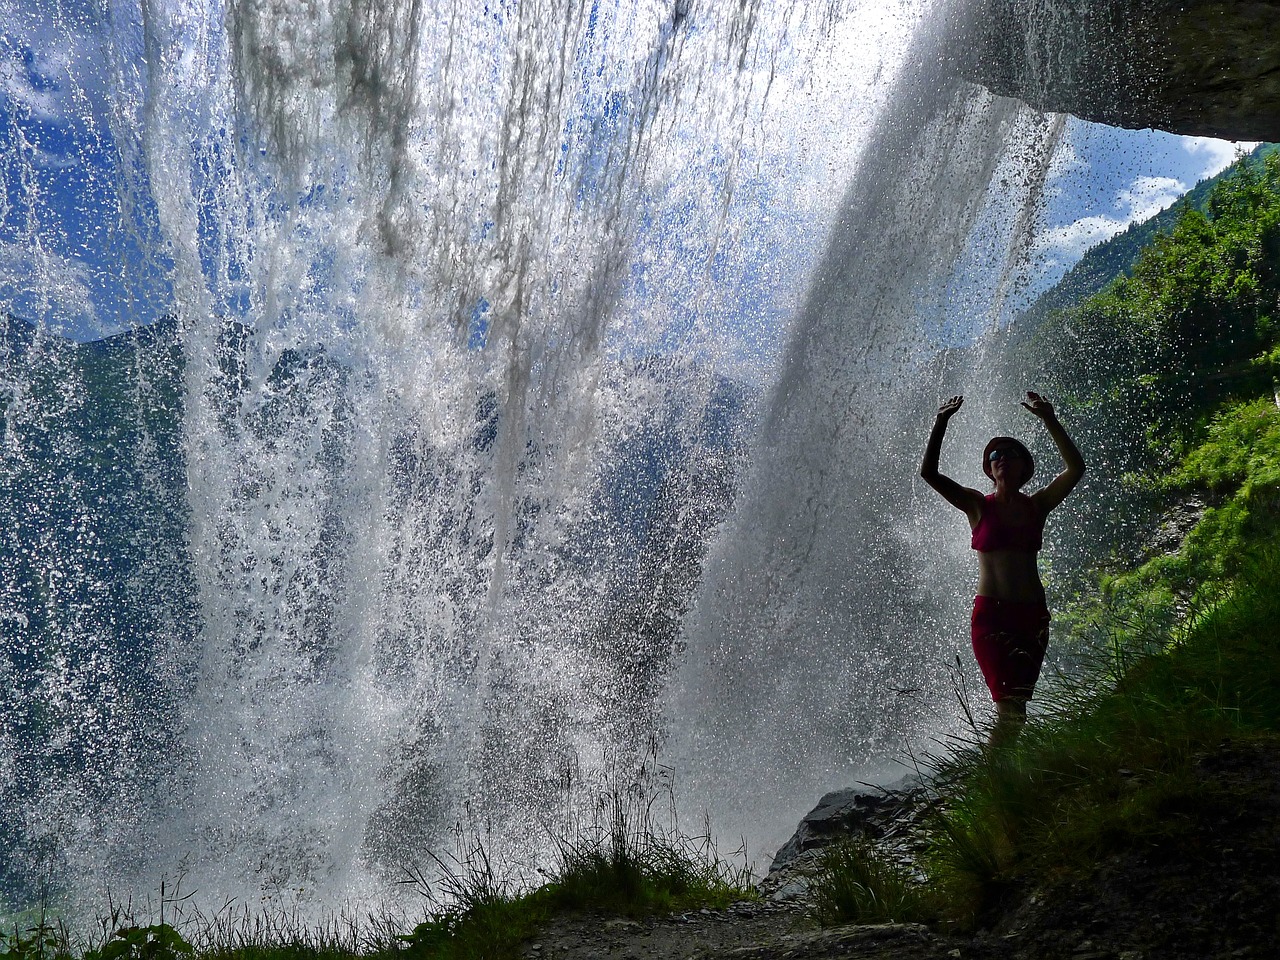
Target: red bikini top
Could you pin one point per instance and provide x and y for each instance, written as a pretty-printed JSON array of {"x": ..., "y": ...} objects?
[{"x": 994, "y": 533}]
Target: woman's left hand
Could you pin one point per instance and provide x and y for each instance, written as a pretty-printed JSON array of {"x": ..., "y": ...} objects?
[{"x": 1038, "y": 405}]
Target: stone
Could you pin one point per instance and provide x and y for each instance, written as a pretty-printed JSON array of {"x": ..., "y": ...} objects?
[
  {"x": 1193, "y": 67},
  {"x": 793, "y": 890},
  {"x": 867, "y": 811}
]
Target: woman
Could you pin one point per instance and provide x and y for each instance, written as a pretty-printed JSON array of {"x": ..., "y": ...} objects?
[{"x": 1010, "y": 618}]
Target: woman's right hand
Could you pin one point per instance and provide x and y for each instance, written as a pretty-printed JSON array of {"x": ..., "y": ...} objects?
[{"x": 948, "y": 408}]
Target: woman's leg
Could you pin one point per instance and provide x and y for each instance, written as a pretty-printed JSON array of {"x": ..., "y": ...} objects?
[{"x": 1011, "y": 714}]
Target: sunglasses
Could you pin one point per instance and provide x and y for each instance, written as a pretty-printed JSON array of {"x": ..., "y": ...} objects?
[{"x": 1005, "y": 453}]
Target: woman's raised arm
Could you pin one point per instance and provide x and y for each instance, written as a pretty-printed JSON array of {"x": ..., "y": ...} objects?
[
  {"x": 1061, "y": 485},
  {"x": 960, "y": 497}
]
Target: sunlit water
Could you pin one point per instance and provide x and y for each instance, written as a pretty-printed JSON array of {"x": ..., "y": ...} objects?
[{"x": 480, "y": 325}]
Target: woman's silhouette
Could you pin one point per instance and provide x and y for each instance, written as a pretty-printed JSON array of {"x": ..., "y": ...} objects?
[{"x": 1010, "y": 618}]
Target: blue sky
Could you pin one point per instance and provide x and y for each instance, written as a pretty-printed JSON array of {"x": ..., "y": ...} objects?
[
  {"x": 78, "y": 229},
  {"x": 1104, "y": 178}
]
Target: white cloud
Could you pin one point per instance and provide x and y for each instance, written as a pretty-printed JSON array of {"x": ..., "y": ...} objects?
[
  {"x": 1058, "y": 249},
  {"x": 1147, "y": 196},
  {"x": 1214, "y": 155},
  {"x": 1063, "y": 245},
  {"x": 45, "y": 287}
]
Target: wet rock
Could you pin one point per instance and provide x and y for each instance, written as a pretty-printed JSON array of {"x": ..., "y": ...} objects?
[
  {"x": 876, "y": 813},
  {"x": 1195, "y": 67}
]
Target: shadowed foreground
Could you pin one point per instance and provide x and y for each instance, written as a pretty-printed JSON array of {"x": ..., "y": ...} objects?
[{"x": 1206, "y": 887}]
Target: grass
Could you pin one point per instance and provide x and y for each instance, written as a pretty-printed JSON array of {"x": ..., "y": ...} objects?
[
  {"x": 182, "y": 931},
  {"x": 858, "y": 883},
  {"x": 622, "y": 864},
  {"x": 631, "y": 869},
  {"x": 625, "y": 860},
  {"x": 163, "y": 941}
]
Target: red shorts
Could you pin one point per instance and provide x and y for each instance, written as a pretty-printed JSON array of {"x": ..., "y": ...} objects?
[{"x": 1009, "y": 640}]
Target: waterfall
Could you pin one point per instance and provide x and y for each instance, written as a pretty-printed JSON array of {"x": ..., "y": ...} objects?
[
  {"x": 462, "y": 334},
  {"x": 823, "y": 638}
]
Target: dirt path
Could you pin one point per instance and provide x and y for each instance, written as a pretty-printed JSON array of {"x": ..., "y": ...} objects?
[
  {"x": 1205, "y": 886},
  {"x": 737, "y": 934}
]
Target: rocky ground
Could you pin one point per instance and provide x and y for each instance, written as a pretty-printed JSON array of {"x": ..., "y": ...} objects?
[{"x": 1205, "y": 885}]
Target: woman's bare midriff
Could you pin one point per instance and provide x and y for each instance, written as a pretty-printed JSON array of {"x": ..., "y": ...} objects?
[{"x": 1009, "y": 575}]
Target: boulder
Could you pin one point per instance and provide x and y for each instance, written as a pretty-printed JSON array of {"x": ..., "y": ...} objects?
[{"x": 876, "y": 813}]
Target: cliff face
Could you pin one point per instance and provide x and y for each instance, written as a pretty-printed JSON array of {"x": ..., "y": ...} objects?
[{"x": 1196, "y": 67}]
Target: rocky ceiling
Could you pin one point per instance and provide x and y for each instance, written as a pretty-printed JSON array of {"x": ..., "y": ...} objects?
[{"x": 1192, "y": 67}]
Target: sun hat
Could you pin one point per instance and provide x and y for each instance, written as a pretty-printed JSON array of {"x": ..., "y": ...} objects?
[{"x": 995, "y": 442}]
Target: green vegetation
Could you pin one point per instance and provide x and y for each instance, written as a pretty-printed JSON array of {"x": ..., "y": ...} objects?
[
  {"x": 158, "y": 941},
  {"x": 228, "y": 936},
  {"x": 857, "y": 883},
  {"x": 1238, "y": 468},
  {"x": 1192, "y": 326},
  {"x": 41, "y": 941},
  {"x": 48, "y": 941}
]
